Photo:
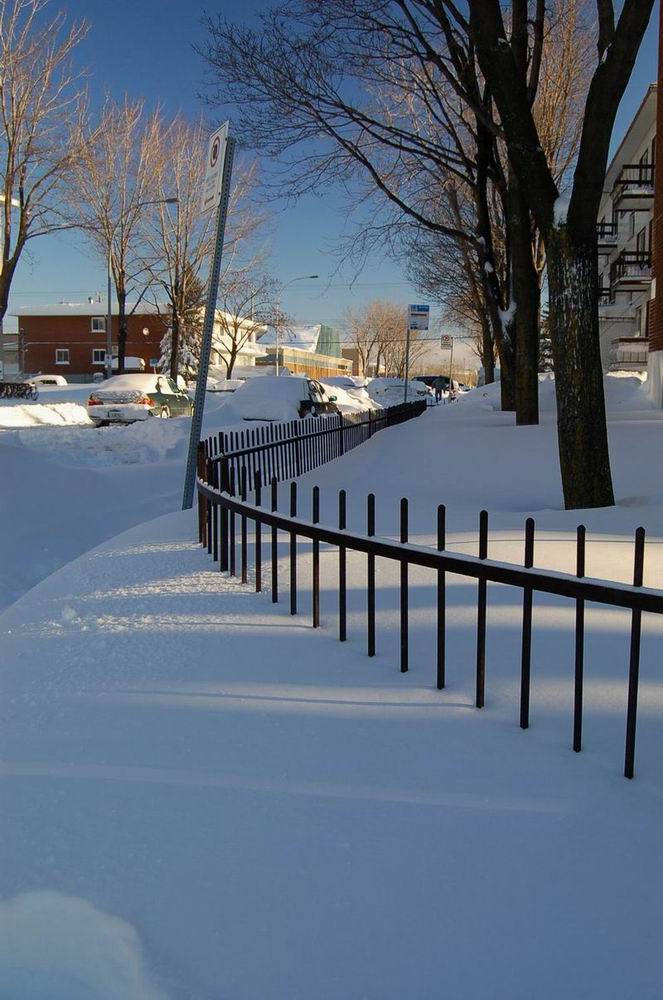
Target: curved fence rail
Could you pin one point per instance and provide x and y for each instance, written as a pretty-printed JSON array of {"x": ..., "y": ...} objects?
[{"x": 225, "y": 512}]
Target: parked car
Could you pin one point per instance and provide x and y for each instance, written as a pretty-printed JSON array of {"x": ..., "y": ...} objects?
[
  {"x": 124, "y": 399},
  {"x": 282, "y": 397},
  {"x": 390, "y": 391},
  {"x": 40, "y": 380}
]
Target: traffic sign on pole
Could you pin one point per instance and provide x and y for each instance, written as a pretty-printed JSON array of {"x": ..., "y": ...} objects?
[
  {"x": 227, "y": 153},
  {"x": 418, "y": 317},
  {"x": 446, "y": 342},
  {"x": 213, "y": 181}
]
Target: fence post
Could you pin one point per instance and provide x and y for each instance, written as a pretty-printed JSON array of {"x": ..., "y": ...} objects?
[
  {"x": 244, "y": 543},
  {"x": 316, "y": 559},
  {"x": 274, "y": 545},
  {"x": 441, "y": 601},
  {"x": 342, "y": 597},
  {"x": 579, "y": 644},
  {"x": 526, "y": 650},
  {"x": 293, "y": 551},
  {"x": 404, "y": 589},
  {"x": 634, "y": 663},
  {"x": 341, "y": 434},
  {"x": 481, "y": 614},
  {"x": 370, "y": 531},
  {"x": 231, "y": 529},
  {"x": 225, "y": 486},
  {"x": 208, "y": 517},
  {"x": 258, "y": 540}
]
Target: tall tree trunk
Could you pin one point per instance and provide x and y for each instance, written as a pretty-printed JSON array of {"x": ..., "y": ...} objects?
[
  {"x": 122, "y": 330},
  {"x": 174, "y": 344},
  {"x": 525, "y": 293},
  {"x": 574, "y": 327},
  {"x": 487, "y": 351}
]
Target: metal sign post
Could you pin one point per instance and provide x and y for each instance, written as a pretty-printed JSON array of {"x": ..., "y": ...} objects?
[
  {"x": 219, "y": 168},
  {"x": 418, "y": 318},
  {"x": 451, "y": 369}
]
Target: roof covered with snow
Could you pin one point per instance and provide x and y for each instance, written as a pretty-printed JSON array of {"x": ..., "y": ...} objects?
[
  {"x": 304, "y": 338},
  {"x": 94, "y": 308}
]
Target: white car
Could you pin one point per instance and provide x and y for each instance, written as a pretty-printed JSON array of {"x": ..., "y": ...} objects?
[
  {"x": 40, "y": 380},
  {"x": 390, "y": 391},
  {"x": 124, "y": 399}
]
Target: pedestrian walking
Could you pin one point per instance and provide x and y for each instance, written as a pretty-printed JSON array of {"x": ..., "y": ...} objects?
[{"x": 439, "y": 386}]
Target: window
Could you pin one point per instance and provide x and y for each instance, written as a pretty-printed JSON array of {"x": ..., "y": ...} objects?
[
  {"x": 99, "y": 356},
  {"x": 98, "y": 324},
  {"x": 631, "y": 225},
  {"x": 62, "y": 356},
  {"x": 640, "y": 242}
]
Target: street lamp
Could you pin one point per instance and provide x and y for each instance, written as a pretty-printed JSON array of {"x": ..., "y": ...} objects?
[
  {"x": 109, "y": 315},
  {"x": 301, "y": 277}
]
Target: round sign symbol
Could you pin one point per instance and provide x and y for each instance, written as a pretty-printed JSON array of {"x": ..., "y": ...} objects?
[{"x": 214, "y": 154}]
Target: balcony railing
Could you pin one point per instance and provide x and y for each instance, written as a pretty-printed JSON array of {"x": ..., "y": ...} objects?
[
  {"x": 632, "y": 269},
  {"x": 606, "y": 232},
  {"x": 635, "y": 180}
]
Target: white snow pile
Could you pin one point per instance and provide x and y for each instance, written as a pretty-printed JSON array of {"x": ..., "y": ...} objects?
[
  {"x": 17, "y": 414},
  {"x": 57, "y": 947},
  {"x": 624, "y": 391}
]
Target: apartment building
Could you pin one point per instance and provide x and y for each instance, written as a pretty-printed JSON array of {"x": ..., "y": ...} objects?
[
  {"x": 625, "y": 226},
  {"x": 69, "y": 338}
]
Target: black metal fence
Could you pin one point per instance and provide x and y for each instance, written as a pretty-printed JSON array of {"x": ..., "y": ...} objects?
[
  {"x": 225, "y": 514},
  {"x": 286, "y": 450}
]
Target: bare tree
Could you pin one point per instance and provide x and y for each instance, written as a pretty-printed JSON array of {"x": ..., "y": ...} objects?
[
  {"x": 246, "y": 304},
  {"x": 42, "y": 107},
  {"x": 116, "y": 183},
  {"x": 568, "y": 226},
  {"x": 177, "y": 241}
]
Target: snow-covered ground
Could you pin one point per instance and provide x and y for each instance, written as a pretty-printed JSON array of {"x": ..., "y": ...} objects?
[{"x": 211, "y": 800}]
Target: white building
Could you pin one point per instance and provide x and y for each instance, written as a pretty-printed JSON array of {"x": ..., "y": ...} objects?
[
  {"x": 229, "y": 330},
  {"x": 624, "y": 239}
]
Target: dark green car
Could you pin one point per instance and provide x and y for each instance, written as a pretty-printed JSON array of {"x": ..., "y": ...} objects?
[{"x": 124, "y": 399}]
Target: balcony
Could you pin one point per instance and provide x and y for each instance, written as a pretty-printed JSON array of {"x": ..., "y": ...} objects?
[
  {"x": 606, "y": 235},
  {"x": 634, "y": 188},
  {"x": 629, "y": 354},
  {"x": 631, "y": 271}
]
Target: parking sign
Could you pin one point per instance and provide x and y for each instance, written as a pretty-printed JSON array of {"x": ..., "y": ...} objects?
[
  {"x": 446, "y": 342},
  {"x": 216, "y": 154},
  {"x": 418, "y": 317}
]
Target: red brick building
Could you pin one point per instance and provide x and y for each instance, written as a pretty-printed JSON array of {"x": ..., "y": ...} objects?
[
  {"x": 655, "y": 363},
  {"x": 70, "y": 338}
]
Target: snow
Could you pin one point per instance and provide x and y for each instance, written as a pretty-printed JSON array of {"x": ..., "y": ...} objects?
[
  {"x": 139, "y": 383},
  {"x": 14, "y": 413},
  {"x": 203, "y": 797},
  {"x": 81, "y": 953},
  {"x": 351, "y": 399}
]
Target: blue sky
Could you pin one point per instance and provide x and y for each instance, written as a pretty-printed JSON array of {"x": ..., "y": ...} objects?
[{"x": 144, "y": 47}]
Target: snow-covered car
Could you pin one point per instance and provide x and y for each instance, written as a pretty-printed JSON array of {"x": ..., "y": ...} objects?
[
  {"x": 349, "y": 398},
  {"x": 279, "y": 397},
  {"x": 124, "y": 399},
  {"x": 41, "y": 380},
  {"x": 224, "y": 384},
  {"x": 390, "y": 391}
]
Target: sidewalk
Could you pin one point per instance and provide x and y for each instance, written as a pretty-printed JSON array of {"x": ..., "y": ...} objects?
[{"x": 270, "y": 814}]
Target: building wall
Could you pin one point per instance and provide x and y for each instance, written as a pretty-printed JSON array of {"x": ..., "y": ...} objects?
[
  {"x": 656, "y": 305},
  {"x": 306, "y": 363},
  {"x": 624, "y": 310},
  {"x": 41, "y": 336}
]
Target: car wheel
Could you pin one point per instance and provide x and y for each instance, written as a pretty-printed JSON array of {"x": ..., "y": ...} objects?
[{"x": 165, "y": 413}]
